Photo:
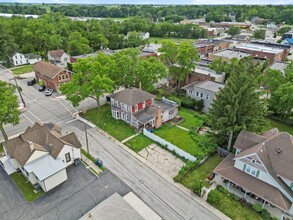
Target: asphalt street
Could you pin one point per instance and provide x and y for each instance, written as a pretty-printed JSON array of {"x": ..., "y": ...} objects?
[{"x": 162, "y": 196}]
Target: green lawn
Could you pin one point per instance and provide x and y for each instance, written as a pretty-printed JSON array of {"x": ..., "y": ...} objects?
[
  {"x": 22, "y": 69},
  {"x": 234, "y": 209},
  {"x": 280, "y": 125},
  {"x": 202, "y": 172},
  {"x": 179, "y": 138},
  {"x": 138, "y": 143},
  {"x": 1, "y": 148},
  {"x": 103, "y": 119},
  {"x": 191, "y": 119},
  {"x": 159, "y": 40},
  {"x": 25, "y": 187}
]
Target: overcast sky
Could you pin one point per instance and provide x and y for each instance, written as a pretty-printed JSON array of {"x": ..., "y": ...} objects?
[{"x": 157, "y": 1}]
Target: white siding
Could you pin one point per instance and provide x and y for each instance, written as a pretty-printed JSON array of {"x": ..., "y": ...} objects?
[
  {"x": 33, "y": 61},
  {"x": 14, "y": 163},
  {"x": 55, "y": 180},
  {"x": 74, "y": 154},
  {"x": 19, "y": 59},
  {"x": 37, "y": 154},
  {"x": 32, "y": 178}
]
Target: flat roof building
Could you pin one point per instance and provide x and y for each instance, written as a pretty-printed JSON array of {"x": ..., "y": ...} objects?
[{"x": 227, "y": 55}]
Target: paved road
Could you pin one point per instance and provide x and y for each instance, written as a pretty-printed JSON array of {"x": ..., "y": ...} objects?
[{"x": 162, "y": 196}]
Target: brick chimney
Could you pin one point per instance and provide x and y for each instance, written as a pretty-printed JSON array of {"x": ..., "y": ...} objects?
[{"x": 158, "y": 121}]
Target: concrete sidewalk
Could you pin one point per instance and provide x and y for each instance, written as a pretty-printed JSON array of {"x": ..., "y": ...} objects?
[{"x": 188, "y": 192}]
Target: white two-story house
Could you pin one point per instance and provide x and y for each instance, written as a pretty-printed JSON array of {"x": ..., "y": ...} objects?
[
  {"x": 19, "y": 59},
  {"x": 42, "y": 154},
  {"x": 58, "y": 58},
  {"x": 262, "y": 166}
]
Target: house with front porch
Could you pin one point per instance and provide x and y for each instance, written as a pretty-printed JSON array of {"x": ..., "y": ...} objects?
[
  {"x": 52, "y": 76},
  {"x": 42, "y": 155},
  {"x": 140, "y": 109},
  {"x": 262, "y": 167}
]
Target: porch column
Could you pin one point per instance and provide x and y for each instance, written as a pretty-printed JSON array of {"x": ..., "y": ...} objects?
[
  {"x": 245, "y": 193},
  {"x": 228, "y": 184},
  {"x": 282, "y": 216},
  {"x": 264, "y": 203}
]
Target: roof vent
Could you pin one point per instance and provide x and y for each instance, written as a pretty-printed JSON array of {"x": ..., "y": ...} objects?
[{"x": 278, "y": 150}]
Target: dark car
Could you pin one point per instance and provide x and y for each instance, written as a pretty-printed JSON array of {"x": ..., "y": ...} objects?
[
  {"x": 42, "y": 88},
  {"x": 31, "y": 82}
]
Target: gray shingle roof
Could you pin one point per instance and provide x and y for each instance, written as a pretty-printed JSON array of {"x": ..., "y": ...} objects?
[{"x": 132, "y": 96}]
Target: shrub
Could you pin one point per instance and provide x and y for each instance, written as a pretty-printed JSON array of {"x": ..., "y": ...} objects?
[
  {"x": 197, "y": 187},
  {"x": 222, "y": 189},
  {"x": 257, "y": 208},
  {"x": 199, "y": 105},
  {"x": 186, "y": 167},
  {"x": 188, "y": 102},
  {"x": 175, "y": 99},
  {"x": 214, "y": 197},
  {"x": 236, "y": 198},
  {"x": 265, "y": 214}
]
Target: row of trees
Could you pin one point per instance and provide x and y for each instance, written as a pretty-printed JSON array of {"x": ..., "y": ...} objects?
[
  {"x": 55, "y": 31},
  {"x": 173, "y": 13}
]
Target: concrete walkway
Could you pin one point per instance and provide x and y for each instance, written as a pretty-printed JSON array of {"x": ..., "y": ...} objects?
[
  {"x": 89, "y": 164},
  {"x": 185, "y": 129},
  {"x": 188, "y": 192},
  {"x": 127, "y": 139}
]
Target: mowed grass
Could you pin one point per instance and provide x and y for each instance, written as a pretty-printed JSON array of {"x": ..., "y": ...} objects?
[
  {"x": 234, "y": 209},
  {"x": 179, "y": 138},
  {"x": 138, "y": 143},
  {"x": 280, "y": 125},
  {"x": 103, "y": 119},
  {"x": 202, "y": 172},
  {"x": 191, "y": 119},
  {"x": 22, "y": 69},
  {"x": 159, "y": 40},
  {"x": 25, "y": 187}
]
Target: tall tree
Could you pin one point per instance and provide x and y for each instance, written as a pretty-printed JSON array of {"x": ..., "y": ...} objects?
[
  {"x": 233, "y": 31},
  {"x": 9, "y": 114},
  {"x": 238, "y": 105},
  {"x": 91, "y": 79},
  {"x": 259, "y": 34}
]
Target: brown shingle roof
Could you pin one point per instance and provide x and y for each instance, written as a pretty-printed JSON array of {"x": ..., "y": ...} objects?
[
  {"x": 247, "y": 139},
  {"x": 41, "y": 138},
  {"x": 132, "y": 96},
  {"x": 261, "y": 189},
  {"x": 47, "y": 69},
  {"x": 56, "y": 53}
]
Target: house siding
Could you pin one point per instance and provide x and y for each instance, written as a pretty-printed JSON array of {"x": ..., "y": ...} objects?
[
  {"x": 73, "y": 152},
  {"x": 19, "y": 59},
  {"x": 54, "y": 180}
]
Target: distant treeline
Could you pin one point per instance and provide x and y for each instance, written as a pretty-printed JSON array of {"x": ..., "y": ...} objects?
[
  {"x": 55, "y": 31},
  {"x": 277, "y": 13}
]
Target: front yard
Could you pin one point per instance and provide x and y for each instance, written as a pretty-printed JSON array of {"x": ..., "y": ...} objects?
[
  {"x": 22, "y": 69},
  {"x": 201, "y": 172},
  {"x": 231, "y": 206},
  {"x": 138, "y": 143},
  {"x": 25, "y": 187},
  {"x": 103, "y": 119}
]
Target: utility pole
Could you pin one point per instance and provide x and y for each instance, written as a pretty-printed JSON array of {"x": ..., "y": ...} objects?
[
  {"x": 86, "y": 139},
  {"x": 19, "y": 92}
]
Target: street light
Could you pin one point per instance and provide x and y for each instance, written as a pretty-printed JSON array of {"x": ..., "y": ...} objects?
[{"x": 17, "y": 87}]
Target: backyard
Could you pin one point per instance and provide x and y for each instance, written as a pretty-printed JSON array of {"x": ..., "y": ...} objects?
[
  {"x": 103, "y": 119},
  {"x": 22, "y": 69},
  {"x": 280, "y": 125},
  {"x": 201, "y": 172},
  {"x": 231, "y": 206},
  {"x": 192, "y": 119},
  {"x": 179, "y": 138},
  {"x": 25, "y": 187},
  {"x": 138, "y": 143}
]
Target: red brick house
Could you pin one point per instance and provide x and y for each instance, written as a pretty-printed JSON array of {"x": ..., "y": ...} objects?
[{"x": 53, "y": 76}]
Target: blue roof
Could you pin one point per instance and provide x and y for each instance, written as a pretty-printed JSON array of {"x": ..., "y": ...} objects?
[{"x": 289, "y": 40}]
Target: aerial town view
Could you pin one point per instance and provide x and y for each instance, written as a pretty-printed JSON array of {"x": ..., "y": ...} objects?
[{"x": 146, "y": 110}]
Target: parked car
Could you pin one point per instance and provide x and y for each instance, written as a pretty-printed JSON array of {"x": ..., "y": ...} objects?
[
  {"x": 42, "y": 88},
  {"x": 48, "y": 92},
  {"x": 31, "y": 82}
]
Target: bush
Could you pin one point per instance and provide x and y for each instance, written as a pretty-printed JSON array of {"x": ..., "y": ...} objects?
[
  {"x": 222, "y": 189},
  {"x": 199, "y": 105},
  {"x": 214, "y": 197},
  {"x": 236, "y": 198},
  {"x": 197, "y": 187},
  {"x": 186, "y": 167},
  {"x": 265, "y": 214},
  {"x": 175, "y": 99},
  {"x": 188, "y": 102},
  {"x": 257, "y": 208}
]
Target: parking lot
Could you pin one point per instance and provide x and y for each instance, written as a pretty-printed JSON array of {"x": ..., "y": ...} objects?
[{"x": 70, "y": 200}]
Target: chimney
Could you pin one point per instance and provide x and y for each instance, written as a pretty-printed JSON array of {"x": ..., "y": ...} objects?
[
  {"x": 278, "y": 150},
  {"x": 158, "y": 121},
  {"x": 31, "y": 145}
]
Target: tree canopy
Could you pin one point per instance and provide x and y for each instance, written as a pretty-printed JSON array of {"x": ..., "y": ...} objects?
[
  {"x": 9, "y": 113},
  {"x": 238, "y": 106},
  {"x": 233, "y": 31},
  {"x": 259, "y": 34}
]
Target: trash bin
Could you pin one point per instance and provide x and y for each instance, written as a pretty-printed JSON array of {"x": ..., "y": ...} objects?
[{"x": 99, "y": 162}]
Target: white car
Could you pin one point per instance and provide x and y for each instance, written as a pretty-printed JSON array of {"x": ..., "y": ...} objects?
[{"x": 48, "y": 92}]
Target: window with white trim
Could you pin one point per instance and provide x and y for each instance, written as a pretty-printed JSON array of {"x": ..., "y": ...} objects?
[
  {"x": 122, "y": 115},
  {"x": 207, "y": 96},
  {"x": 143, "y": 104},
  {"x": 197, "y": 94},
  {"x": 112, "y": 101},
  {"x": 122, "y": 106},
  {"x": 201, "y": 95},
  {"x": 117, "y": 115},
  {"x": 126, "y": 118},
  {"x": 251, "y": 170},
  {"x": 190, "y": 92},
  {"x": 135, "y": 108},
  {"x": 127, "y": 108},
  {"x": 67, "y": 157}
]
